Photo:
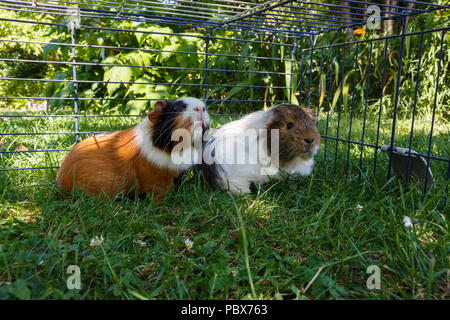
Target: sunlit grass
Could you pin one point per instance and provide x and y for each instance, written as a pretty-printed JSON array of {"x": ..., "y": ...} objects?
[{"x": 293, "y": 228}]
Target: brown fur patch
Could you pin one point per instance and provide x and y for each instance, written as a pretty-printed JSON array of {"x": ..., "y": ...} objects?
[
  {"x": 112, "y": 164},
  {"x": 296, "y": 125}
]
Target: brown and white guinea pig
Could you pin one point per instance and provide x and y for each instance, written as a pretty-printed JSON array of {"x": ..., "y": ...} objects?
[
  {"x": 250, "y": 150},
  {"x": 136, "y": 160}
]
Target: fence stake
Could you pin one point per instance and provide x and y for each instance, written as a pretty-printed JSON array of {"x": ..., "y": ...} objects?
[{"x": 72, "y": 25}]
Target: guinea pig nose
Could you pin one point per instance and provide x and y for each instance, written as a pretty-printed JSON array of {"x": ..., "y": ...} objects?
[{"x": 309, "y": 141}]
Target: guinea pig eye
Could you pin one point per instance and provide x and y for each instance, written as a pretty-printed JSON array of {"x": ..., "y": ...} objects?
[{"x": 289, "y": 125}]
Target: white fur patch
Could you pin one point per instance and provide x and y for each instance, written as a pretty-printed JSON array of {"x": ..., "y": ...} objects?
[
  {"x": 238, "y": 177},
  {"x": 302, "y": 166},
  {"x": 152, "y": 153},
  {"x": 191, "y": 104}
]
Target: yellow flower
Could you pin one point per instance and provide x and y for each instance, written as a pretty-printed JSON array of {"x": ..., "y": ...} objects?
[{"x": 359, "y": 32}]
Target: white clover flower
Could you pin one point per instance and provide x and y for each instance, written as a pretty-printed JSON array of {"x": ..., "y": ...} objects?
[
  {"x": 188, "y": 243},
  {"x": 96, "y": 241},
  {"x": 40, "y": 263},
  {"x": 407, "y": 221},
  {"x": 141, "y": 243},
  {"x": 359, "y": 208}
]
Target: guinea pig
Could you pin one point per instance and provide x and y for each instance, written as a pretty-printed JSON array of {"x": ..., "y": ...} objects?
[
  {"x": 261, "y": 146},
  {"x": 137, "y": 160}
]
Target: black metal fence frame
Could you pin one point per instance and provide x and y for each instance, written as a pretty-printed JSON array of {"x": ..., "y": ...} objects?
[{"x": 290, "y": 19}]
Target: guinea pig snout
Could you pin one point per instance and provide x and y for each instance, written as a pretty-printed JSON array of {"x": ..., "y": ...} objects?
[
  {"x": 310, "y": 142},
  {"x": 202, "y": 115},
  {"x": 199, "y": 109}
]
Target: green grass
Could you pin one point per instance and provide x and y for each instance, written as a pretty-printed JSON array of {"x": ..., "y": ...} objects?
[{"x": 304, "y": 238}]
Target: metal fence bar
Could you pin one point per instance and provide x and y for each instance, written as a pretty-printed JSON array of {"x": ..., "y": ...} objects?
[
  {"x": 140, "y": 49},
  {"x": 151, "y": 83},
  {"x": 49, "y": 133},
  {"x": 33, "y": 151},
  {"x": 250, "y": 12},
  {"x": 137, "y": 66},
  {"x": 351, "y": 110},
  {"x": 301, "y": 78},
  {"x": 397, "y": 95},
  {"x": 381, "y": 105},
  {"x": 187, "y": 35},
  {"x": 29, "y": 168},
  {"x": 387, "y": 37},
  {"x": 152, "y": 32},
  {"x": 311, "y": 37},
  {"x": 101, "y": 132},
  {"x": 448, "y": 178},
  {"x": 319, "y": 92},
  {"x": 70, "y": 115},
  {"x": 369, "y": 69},
  {"x": 133, "y": 99},
  {"x": 414, "y": 111},
  {"x": 291, "y": 78},
  {"x": 434, "y": 108},
  {"x": 317, "y": 23},
  {"x": 74, "y": 75},
  {"x": 357, "y": 14},
  {"x": 317, "y": 18},
  {"x": 205, "y": 83},
  {"x": 249, "y": 29},
  {"x": 200, "y": 16},
  {"x": 340, "y": 107},
  {"x": 329, "y": 104}
]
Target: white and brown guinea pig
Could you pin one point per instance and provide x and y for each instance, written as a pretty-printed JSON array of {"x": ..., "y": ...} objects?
[
  {"x": 136, "y": 160},
  {"x": 298, "y": 142}
]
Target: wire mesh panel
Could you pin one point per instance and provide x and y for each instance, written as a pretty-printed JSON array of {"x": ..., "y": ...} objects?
[
  {"x": 357, "y": 122},
  {"x": 102, "y": 64}
]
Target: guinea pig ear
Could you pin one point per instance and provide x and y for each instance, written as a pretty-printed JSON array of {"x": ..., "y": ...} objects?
[
  {"x": 311, "y": 113},
  {"x": 159, "y": 107}
]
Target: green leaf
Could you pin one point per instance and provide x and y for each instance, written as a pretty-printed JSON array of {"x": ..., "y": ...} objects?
[
  {"x": 20, "y": 290},
  {"x": 235, "y": 90},
  {"x": 136, "y": 106},
  {"x": 116, "y": 74}
]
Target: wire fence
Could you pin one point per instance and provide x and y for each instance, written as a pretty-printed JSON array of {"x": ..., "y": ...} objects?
[{"x": 323, "y": 76}]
